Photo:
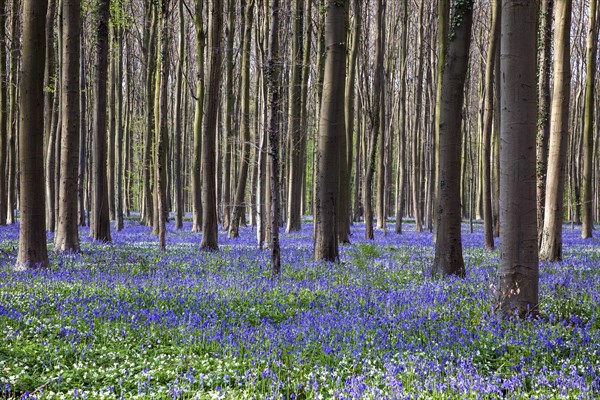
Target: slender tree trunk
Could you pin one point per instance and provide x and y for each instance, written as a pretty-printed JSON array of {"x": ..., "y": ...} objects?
[
  {"x": 198, "y": 122},
  {"x": 331, "y": 129},
  {"x": 118, "y": 156},
  {"x": 67, "y": 235},
  {"x": 551, "y": 248},
  {"x": 15, "y": 51},
  {"x": 588, "y": 122},
  {"x": 32, "y": 234},
  {"x": 379, "y": 96},
  {"x": 543, "y": 131},
  {"x": 274, "y": 96},
  {"x": 228, "y": 114},
  {"x": 488, "y": 119},
  {"x": 448, "y": 245},
  {"x": 101, "y": 223},
  {"x": 518, "y": 272},
  {"x": 162, "y": 82},
  {"x": 50, "y": 99},
  {"x": 3, "y": 116},
  {"x": 239, "y": 207},
  {"x": 294, "y": 195},
  {"x": 209, "y": 206},
  {"x": 81, "y": 170},
  {"x": 148, "y": 208},
  {"x": 401, "y": 160},
  {"x": 178, "y": 132}
]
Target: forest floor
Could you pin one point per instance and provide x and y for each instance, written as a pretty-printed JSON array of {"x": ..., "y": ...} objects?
[{"x": 126, "y": 321}]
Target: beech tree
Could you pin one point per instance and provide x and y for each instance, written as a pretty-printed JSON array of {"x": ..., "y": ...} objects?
[
  {"x": 551, "y": 247},
  {"x": 32, "y": 235},
  {"x": 448, "y": 245},
  {"x": 331, "y": 128},
  {"x": 67, "y": 234},
  {"x": 519, "y": 271},
  {"x": 209, "y": 195}
]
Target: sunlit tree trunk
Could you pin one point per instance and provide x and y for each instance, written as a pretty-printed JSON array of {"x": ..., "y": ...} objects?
[
  {"x": 198, "y": 121},
  {"x": 588, "y": 122},
  {"x": 543, "y": 130},
  {"x": 551, "y": 247}
]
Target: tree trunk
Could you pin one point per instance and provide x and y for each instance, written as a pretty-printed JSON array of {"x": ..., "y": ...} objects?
[
  {"x": 518, "y": 271},
  {"x": 198, "y": 122},
  {"x": 239, "y": 207},
  {"x": 67, "y": 235},
  {"x": 209, "y": 195},
  {"x": 15, "y": 30},
  {"x": 488, "y": 118},
  {"x": 50, "y": 105},
  {"x": 101, "y": 225},
  {"x": 274, "y": 96},
  {"x": 118, "y": 149},
  {"x": 178, "y": 132},
  {"x": 588, "y": 122},
  {"x": 3, "y": 116},
  {"x": 81, "y": 170},
  {"x": 294, "y": 217},
  {"x": 162, "y": 82},
  {"x": 401, "y": 160},
  {"x": 551, "y": 248},
  {"x": 448, "y": 245},
  {"x": 151, "y": 33},
  {"x": 379, "y": 96},
  {"x": 331, "y": 129},
  {"x": 228, "y": 140},
  {"x": 543, "y": 131},
  {"x": 32, "y": 234}
]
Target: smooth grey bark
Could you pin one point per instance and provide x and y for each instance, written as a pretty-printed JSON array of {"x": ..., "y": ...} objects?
[
  {"x": 67, "y": 234},
  {"x": 518, "y": 274},
  {"x": 331, "y": 128},
  {"x": 551, "y": 247},
  {"x": 32, "y": 234}
]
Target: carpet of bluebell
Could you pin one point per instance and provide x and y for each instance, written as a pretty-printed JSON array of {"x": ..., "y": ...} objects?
[{"x": 124, "y": 320}]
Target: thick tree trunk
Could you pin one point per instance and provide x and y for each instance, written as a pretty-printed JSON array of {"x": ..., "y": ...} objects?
[
  {"x": 551, "y": 247},
  {"x": 67, "y": 235},
  {"x": 228, "y": 137},
  {"x": 331, "y": 129},
  {"x": 101, "y": 224},
  {"x": 209, "y": 195},
  {"x": 518, "y": 272},
  {"x": 32, "y": 234},
  {"x": 588, "y": 122},
  {"x": 448, "y": 245}
]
